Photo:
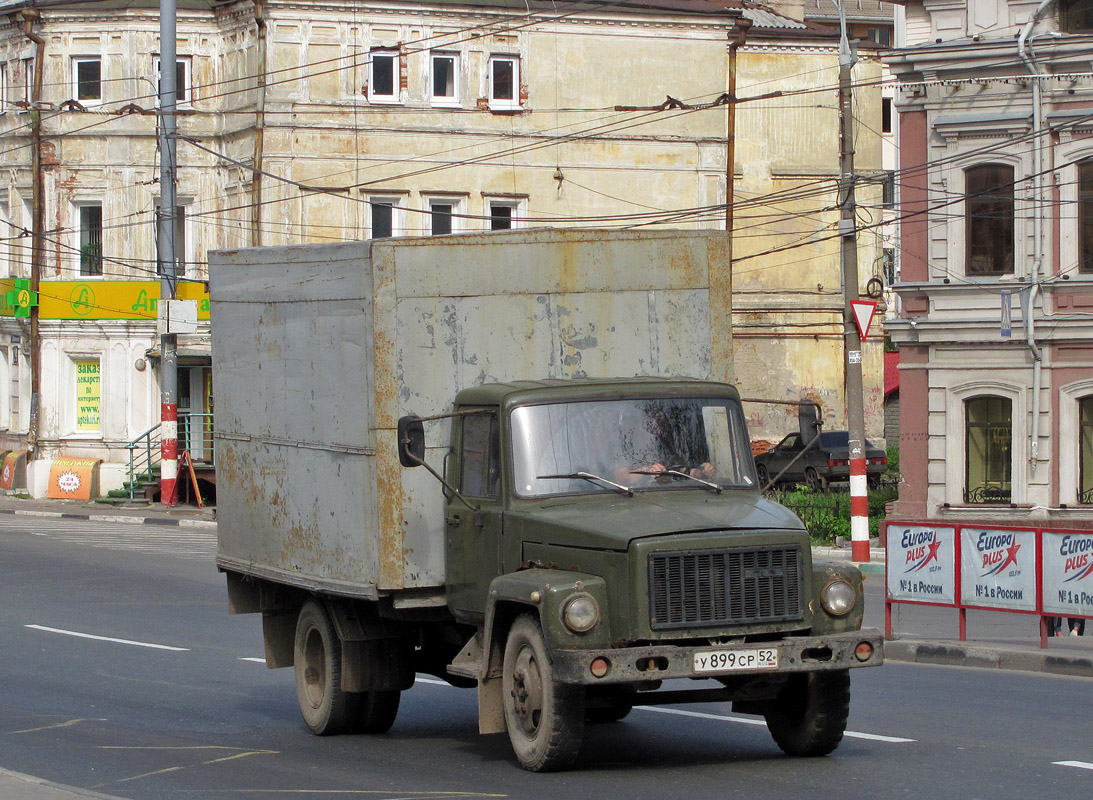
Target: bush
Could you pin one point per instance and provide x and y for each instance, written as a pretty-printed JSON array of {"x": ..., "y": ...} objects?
[{"x": 827, "y": 514}]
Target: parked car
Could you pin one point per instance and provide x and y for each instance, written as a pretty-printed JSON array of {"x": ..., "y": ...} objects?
[{"x": 825, "y": 462}]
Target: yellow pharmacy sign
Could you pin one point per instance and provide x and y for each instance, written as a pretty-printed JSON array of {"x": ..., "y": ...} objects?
[{"x": 103, "y": 299}]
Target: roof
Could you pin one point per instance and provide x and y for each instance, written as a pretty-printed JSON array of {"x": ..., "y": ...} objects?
[
  {"x": 891, "y": 373},
  {"x": 762, "y": 16}
]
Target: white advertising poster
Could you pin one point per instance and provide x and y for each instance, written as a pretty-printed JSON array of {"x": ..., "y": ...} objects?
[
  {"x": 998, "y": 569},
  {"x": 1068, "y": 573},
  {"x": 921, "y": 563}
]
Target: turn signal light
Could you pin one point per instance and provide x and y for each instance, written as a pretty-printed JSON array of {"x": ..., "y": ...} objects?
[{"x": 600, "y": 667}]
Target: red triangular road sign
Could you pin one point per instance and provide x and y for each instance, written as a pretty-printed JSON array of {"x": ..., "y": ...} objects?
[{"x": 863, "y": 315}]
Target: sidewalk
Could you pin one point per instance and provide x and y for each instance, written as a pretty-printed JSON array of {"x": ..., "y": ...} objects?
[
  {"x": 920, "y": 634},
  {"x": 16, "y": 786},
  {"x": 185, "y": 516}
]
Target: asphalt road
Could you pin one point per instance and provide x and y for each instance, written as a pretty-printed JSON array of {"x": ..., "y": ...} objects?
[{"x": 123, "y": 673}]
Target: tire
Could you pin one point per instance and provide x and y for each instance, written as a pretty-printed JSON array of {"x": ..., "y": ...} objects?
[
  {"x": 376, "y": 711},
  {"x": 813, "y": 480},
  {"x": 764, "y": 476},
  {"x": 544, "y": 719},
  {"x": 608, "y": 714},
  {"x": 317, "y": 659},
  {"x": 808, "y": 717}
]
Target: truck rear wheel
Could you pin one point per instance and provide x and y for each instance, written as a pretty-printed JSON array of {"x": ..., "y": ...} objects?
[
  {"x": 377, "y": 711},
  {"x": 544, "y": 719},
  {"x": 317, "y": 659},
  {"x": 809, "y": 715}
]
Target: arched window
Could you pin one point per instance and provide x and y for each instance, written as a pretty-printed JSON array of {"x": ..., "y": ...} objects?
[
  {"x": 988, "y": 437},
  {"x": 988, "y": 217},
  {"x": 1085, "y": 450},
  {"x": 1085, "y": 216}
]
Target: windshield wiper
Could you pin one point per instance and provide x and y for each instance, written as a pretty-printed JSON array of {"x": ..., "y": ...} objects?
[
  {"x": 588, "y": 476},
  {"x": 678, "y": 474}
]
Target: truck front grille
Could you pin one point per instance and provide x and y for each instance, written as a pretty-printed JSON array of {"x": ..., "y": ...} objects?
[{"x": 725, "y": 587}]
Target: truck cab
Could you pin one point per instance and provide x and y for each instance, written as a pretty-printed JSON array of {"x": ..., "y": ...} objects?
[{"x": 606, "y": 536}]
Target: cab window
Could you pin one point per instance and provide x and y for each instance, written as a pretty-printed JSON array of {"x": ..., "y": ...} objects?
[{"x": 481, "y": 474}]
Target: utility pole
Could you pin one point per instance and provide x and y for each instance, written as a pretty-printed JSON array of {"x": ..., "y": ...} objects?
[
  {"x": 168, "y": 368},
  {"x": 741, "y": 26},
  {"x": 855, "y": 404},
  {"x": 37, "y": 239}
]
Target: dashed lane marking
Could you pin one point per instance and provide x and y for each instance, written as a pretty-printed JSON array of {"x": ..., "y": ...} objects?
[
  {"x": 1078, "y": 764},
  {"x": 106, "y": 638}
]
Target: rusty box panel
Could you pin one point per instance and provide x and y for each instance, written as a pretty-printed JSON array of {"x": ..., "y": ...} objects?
[{"x": 319, "y": 349}]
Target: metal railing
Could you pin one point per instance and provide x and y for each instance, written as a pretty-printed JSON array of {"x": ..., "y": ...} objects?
[
  {"x": 195, "y": 434},
  {"x": 143, "y": 456}
]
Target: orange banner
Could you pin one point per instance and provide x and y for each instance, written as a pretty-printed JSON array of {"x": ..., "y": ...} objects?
[{"x": 74, "y": 478}]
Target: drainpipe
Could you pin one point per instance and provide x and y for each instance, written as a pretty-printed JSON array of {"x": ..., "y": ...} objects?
[
  {"x": 1038, "y": 225},
  {"x": 30, "y": 16},
  {"x": 259, "y": 132}
]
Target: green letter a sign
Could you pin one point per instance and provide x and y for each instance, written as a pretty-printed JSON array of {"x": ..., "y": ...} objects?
[{"x": 22, "y": 298}]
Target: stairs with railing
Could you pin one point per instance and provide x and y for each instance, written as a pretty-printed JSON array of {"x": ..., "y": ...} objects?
[{"x": 142, "y": 484}]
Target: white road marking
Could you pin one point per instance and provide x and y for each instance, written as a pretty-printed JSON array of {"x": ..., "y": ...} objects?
[
  {"x": 256, "y": 660},
  {"x": 184, "y": 543},
  {"x": 1078, "y": 764},
  {"x": 106, "y": 638}
]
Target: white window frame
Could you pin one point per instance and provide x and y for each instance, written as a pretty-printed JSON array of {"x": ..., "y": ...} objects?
[
  {"x": 187, "y": 254},
  {"x": 397, "y": 208},
  {"x": 4, "y": 102},
  {"x": 519, "y": 206},
  {"x": 1069, "y": 446},
  {"x": 438, "y": 99},
  {"x": 955, "y": 437},
  {"x": 76, "y": 62},
  {"x": 456, "y": 214},
  {"x": 78, "y": 207},
  {"x": 373, "y": 95},
  {"x": 184, "y": 94},
  {"x": 956, "y": 244},
  {"x": 1070, "y": 239},
  {"x": 28, "y": 78},
  {"x": 503, "y": 103}
]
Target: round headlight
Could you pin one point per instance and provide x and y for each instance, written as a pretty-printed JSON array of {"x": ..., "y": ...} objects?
[
  {"x": 838, "y": 598},
  {"x": 581, "y": 613}
]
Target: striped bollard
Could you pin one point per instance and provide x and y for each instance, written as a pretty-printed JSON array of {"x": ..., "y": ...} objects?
[{"x": 168, "y": 451}]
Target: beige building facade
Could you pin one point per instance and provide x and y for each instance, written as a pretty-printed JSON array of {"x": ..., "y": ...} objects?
[{"x": 317, "y": 122}]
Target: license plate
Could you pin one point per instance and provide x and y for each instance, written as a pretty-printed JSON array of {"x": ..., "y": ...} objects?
[{"x": 736, "y": 660}]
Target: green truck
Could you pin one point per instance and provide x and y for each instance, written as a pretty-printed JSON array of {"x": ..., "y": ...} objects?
[{"x": 571, "y": 547}]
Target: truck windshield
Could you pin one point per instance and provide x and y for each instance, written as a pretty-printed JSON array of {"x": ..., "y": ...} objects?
[{"x": 621, "y": 445}]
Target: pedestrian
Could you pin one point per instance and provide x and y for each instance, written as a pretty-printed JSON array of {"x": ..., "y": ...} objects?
[{"x": 1076, "y": 625}]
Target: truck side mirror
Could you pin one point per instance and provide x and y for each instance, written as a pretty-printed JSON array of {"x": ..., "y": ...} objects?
[
  {"x": 411, "y": 441},
  {"x": 808, "y": 417}
]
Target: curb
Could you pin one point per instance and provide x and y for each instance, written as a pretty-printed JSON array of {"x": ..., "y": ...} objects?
[
  {"x": 205, "y": 524},
  {"x": 29, "y": 787},
  {"x": 986, "y": 657}
]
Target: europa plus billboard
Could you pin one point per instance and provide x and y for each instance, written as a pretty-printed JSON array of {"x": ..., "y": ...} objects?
[
  {"x": 921, "y": 563},
  {"x": 998, "y": 568},
  {"x": 1068, "y": 573}
]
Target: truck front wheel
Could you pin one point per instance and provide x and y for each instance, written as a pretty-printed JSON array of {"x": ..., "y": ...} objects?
[
  {"x": 317, "y": 658},
  {"x": 544, "y": 719},
  {"x": 809, "y": 715}
]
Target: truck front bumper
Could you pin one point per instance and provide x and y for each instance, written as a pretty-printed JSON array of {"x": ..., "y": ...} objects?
[{"x": 864, "y": 648}]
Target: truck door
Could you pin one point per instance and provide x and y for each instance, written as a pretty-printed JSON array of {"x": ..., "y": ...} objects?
[{"x": 473, "y": 538}]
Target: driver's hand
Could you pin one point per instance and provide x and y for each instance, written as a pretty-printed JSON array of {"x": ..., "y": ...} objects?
[{"x": 704, "y": 470}]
